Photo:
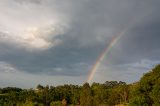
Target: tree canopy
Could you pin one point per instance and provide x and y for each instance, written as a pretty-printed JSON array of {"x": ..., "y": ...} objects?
[{"x": 145, "y": 92}]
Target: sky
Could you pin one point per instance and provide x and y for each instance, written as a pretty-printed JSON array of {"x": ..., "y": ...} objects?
[{"x": 54, "y": 42}]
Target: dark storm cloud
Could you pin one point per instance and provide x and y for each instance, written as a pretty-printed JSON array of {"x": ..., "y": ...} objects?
[
  {"x": 140, "y": 41},
  {"x": 92, "y": 25}
]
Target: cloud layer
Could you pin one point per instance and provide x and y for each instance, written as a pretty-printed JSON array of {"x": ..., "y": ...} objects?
[{"x": 62, "y": 39}]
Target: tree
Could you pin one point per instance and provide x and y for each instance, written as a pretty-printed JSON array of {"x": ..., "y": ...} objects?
[
  {"x": 39, "y": 87},
  {"x": 99, "y": 93},
  {"x": 147, "y": 91},
  {"x": 44, "y": 96},
  {"x": 12, "y": 98},
  {"x": 86, "y": 95}
]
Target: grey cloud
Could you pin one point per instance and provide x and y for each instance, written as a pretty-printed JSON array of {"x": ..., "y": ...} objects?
[
  {"x": 139, "y": 42},
  {"x": 28, "y": 1},
  {"x": 90, "y": 26}
]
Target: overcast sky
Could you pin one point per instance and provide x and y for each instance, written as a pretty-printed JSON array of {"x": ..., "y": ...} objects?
[{"x": 58, "y": 41}]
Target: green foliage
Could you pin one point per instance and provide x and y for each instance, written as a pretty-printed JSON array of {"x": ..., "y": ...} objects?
[
  {"x": 56, "y": 103},
  {"x": 86, "y": 95},
  {"x": 39, "y": 87},
  {"x": 155, "y": 94},
  {"x": 100, "y": 94},
  {"x": 146, "y": 92}
]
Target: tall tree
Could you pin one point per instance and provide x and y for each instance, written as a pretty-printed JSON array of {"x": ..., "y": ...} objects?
[
  {"x": 147, "y": 91},
  {"x": 86, "y": 95}
]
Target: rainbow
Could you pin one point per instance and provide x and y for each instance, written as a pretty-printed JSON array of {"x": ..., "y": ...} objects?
[
  {"x": 113, "y": 42},
  {"x": 103, "y": 54}
]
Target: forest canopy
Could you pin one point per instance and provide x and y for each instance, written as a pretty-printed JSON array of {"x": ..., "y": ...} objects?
[{"x": 145, "y": 92}]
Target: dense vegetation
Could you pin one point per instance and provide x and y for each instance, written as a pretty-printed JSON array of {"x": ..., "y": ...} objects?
[{"x": 146, "y": 92}]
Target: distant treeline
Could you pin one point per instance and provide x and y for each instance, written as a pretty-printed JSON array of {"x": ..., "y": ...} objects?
[{"x": 146, "y": 92}]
